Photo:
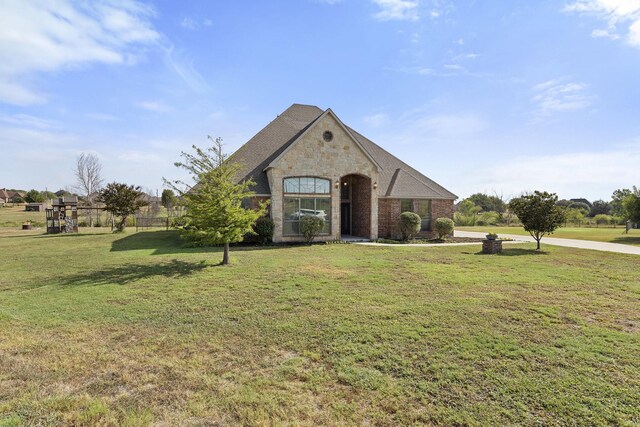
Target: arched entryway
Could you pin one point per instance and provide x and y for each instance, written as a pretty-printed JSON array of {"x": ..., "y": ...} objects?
[{"x": 355, "y": 206}]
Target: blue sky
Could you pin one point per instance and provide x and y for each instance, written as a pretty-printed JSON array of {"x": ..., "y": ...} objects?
[{"x": 499, "y": 97}]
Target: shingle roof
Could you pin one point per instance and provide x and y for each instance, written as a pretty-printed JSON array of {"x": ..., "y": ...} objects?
[{"x": 395, "y": 178}]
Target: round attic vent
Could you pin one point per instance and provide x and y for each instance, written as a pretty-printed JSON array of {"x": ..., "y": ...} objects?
[{"x": 327, "y": 136}]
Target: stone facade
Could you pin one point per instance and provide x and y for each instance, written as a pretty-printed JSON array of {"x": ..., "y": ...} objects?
[{"x": 313, "y": 156}]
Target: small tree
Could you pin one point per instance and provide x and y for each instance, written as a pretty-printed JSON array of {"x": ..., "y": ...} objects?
[
  {"x": 602, "y": 219},
  {"x": 538, "y": 213},
  {"x": 600, "y": 207},
  {"x": 168, "y": 199},
  {"x": 121, "y": 200},
  {"x": 409, "y": 225},
  {"x": 214, "y": 204},
  {"x": 88, "y": 171},
  {"x": 33, "y": 196},
  {"x": 310, "y": 227},
  {"x": 444, "y": 227},
  {"x": 631, "y": 208}
]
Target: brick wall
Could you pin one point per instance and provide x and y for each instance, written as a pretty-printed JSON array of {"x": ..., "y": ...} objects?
[
  {"x": 441, "y": 209},
  {"x": 389, "y": 214}
]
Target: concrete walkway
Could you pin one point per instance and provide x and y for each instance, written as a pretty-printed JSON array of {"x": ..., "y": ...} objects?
[{"x": 568, "y": 243}]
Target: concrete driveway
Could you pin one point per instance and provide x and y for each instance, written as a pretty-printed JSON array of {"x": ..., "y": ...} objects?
[{"x": 569, "y": 243}]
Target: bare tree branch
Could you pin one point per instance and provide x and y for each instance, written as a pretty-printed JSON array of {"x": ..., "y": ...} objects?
[{"x": 88, "y": 172}]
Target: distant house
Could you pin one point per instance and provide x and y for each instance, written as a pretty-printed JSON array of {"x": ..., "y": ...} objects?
[
  {"x": 62, "y": 193},
  {"x": 308, "y": 162},
  {"x": 4, "y": 196},
  {"x": 16, "y": 196}
]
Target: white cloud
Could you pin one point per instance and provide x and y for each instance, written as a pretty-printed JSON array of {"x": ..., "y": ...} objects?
[
  {"x": 618, "y": 14},
  {"x": 45, "y": 36},
  {"x": 555, "y": 96},
  {"x": 193, "y": 25},
  {"x": 189, "y": 24},
  {"x": 184, "y": 68},
  {"x": 376, "y": 120},
  {"x": 156, "y": 106},
  {"x": 397, "y": 10}
]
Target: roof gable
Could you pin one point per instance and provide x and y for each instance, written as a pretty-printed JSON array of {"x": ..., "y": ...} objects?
[{"x": 301, "y": 135}]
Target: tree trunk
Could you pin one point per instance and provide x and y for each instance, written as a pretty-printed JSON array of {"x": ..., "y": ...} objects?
[
  {"x": 538, "y": 241},
  {"x": 225, "y": 257}
]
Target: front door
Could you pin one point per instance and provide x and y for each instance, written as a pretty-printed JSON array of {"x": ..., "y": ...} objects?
[{"x": 345, "y": 218}]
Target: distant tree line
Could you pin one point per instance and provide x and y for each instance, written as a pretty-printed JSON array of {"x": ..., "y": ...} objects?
[{"x": 484, "y": 209}]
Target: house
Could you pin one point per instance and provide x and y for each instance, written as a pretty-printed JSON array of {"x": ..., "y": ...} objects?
[
  {"x": 4, "y": 196},
  {"x": 307, "y": 162},
  {"x": 10, "y": 196}
]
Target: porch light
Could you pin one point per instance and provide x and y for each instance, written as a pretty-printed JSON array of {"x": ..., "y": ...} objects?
[
  {"x": 375, "y": 185},
  {"x": 337, "y": 185},
  {"x": 344, "y": 183}
]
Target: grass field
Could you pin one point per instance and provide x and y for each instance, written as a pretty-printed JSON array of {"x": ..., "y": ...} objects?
[
  {"x": 133, "y": 329},
  {"x": 14, "y": 216},
  {"x": 612, "y": 235}
]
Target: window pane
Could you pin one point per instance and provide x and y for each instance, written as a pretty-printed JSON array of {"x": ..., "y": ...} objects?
[
  {"x": 291, "y": 208},
  {"x": 291, "y": 227},
  {"x": 307, "y": 185},
  {"x": 292, "y": 185},
  {"x": 424, "y": 208},
  {"x": 425, "y": 225},
  {"x": 406, "y": 205},
  {"x": 323, "y": 186},
  {"x": 323, "y": 210},
  {"x": 307, "y": 207}
]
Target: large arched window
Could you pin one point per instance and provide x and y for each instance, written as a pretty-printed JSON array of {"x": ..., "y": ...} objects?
[{"x": 303, "y": 196}]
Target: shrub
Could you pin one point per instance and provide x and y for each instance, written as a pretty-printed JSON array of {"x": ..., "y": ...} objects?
[
  {"x": 311, "y": 226},
  {"x": 264, "y": 229},
  {"x": 602, "y": 219},
  {"x": 488, "y": 218},
  {"x": 409, "y": 225},
  {"x": 83, "y": 224},
  {"x": 444, "y": 227}
]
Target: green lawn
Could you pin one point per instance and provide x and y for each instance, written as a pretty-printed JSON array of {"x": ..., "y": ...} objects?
[
  {"x": 612, "y": 235},
  {"x": 132, "y": 329},
  {"x": 14, "y": 216}
]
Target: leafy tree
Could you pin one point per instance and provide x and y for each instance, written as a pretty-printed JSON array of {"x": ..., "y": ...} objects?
[
  {"x": 602, "y": 219},
  {"x": 48, "y": 195},
  {"x": 488, "y": 203},
  {"x": 168, "y": 198},
  {"x": 122, "y": 201},
  {"x": 33, "y": 196},
  {"x": 600, "y": 207},
  {"x": 311, "y": 226},
  {"x": 538, "y": 213},
  {"x": 466, "y": 213},
  {"x": 214, "y": 204},
  {"x": 409, "y": 225},
  {"x": 631, "y": 206},
  {"x": 574, "y": 215},
  {"x": 616, "y": 201}
]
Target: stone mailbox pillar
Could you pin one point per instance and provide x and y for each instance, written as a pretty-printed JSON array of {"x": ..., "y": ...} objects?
[{"x": 491, "y": 246}]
